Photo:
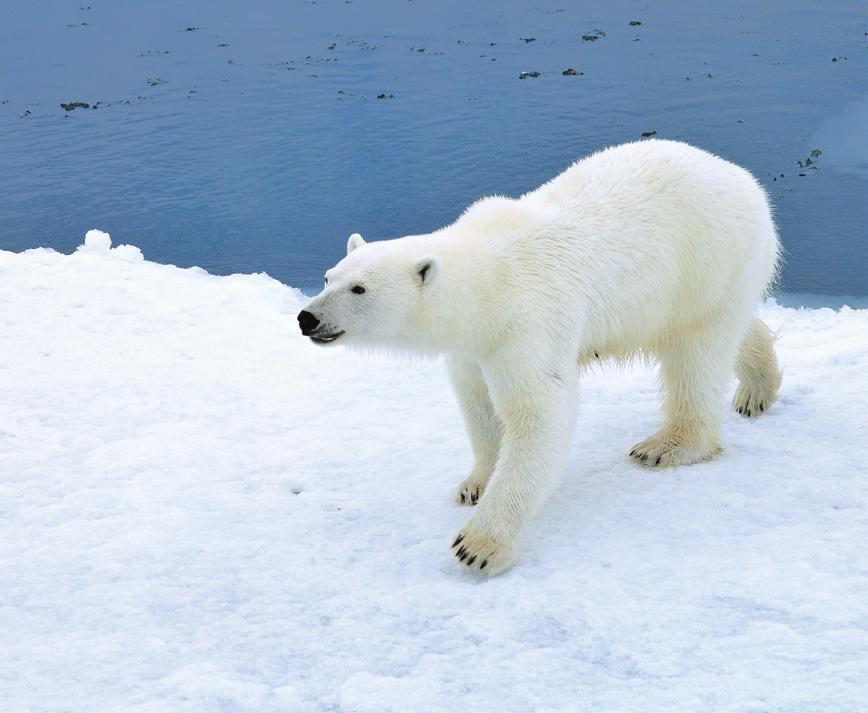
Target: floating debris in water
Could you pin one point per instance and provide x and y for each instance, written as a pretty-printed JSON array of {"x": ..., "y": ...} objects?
[
  {"x": 570, "y": 72},
  {"x": 635, "y": 23},
  {"x": 590, "y": 38},
  {"x": 190, "y": 29},
  {"x": 646, "y": 134},
  {"x": 838, "y": 59},
  {"x": 810, "y": 161},
  {"x": 155, "y": 81},
  {"x": 385, "y": 96},
  {"x": 70, "y": 106},
  {"x": 528, "y": 40},
  {"x": 525, "y": 75}
]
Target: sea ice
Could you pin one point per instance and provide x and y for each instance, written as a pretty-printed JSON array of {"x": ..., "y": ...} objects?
[{"x": 202, "y": 511}]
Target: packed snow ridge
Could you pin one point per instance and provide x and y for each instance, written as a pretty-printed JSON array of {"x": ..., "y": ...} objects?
[{"x": 202, "y": 511}]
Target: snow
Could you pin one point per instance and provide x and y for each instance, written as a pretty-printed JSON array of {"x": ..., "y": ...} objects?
[
  {"x": 96, "y": 241},
  {"x": 201, "y": 511}
]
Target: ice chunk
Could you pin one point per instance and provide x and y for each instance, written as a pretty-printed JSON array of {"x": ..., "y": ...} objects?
[
  {"x": 96, "y": 241},
  {"x": 130, "y": 253}
]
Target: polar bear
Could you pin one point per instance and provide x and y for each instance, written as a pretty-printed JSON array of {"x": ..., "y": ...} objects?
[{"x": 654, "y": 248}]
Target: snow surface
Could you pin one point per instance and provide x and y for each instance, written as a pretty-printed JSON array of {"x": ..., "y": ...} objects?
[{"x": 201, "y": 511}]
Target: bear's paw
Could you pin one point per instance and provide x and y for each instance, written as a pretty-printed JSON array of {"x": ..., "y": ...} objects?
[
  {"x": 752, "y": 400},
  {"x": 481, "y": 552},
  {"x": 470, "y": 490},
  {"x": 667, "y": 450}
]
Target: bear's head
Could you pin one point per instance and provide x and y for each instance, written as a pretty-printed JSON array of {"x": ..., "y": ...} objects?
[{"x": 372, "y": 296}]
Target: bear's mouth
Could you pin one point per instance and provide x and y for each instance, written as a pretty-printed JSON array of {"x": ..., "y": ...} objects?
[{"x": 326, "y": 338}]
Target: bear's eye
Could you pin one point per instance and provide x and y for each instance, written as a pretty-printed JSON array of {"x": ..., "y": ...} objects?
[{"x": 358, "y": 290}]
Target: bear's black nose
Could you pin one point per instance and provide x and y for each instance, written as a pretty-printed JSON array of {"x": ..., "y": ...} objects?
[{"x": 307, "y": 322}]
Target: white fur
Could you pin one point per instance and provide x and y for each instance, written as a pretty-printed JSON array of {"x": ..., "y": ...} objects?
[{"x": 654, "y": 248}]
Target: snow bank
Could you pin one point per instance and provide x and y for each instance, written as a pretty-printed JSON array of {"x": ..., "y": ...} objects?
[{"x": 201, "y": 511}]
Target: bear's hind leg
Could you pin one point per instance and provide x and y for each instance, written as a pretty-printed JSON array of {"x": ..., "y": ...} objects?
[
  {"x": 694, "y": 371},
  {"x": 482, "y": 423},
  {"x": 759, "y": 375}
]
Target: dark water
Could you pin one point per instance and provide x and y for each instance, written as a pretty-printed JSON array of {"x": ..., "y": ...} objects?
[{"x": 256, "y": 141}]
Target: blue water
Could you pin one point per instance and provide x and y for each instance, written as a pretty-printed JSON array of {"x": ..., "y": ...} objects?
[{"x": 256, "y": 141}]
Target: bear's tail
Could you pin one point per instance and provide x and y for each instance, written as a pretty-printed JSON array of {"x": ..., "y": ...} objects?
[{"x": 757, "y": 369}]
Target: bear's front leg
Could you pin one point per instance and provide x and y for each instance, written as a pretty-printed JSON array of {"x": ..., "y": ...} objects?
[
  {"x": 536, "y": 403},
  {"x": 482, "y": 424}
]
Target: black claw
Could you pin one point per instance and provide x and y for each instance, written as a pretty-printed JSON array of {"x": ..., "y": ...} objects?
[
  {"x": 644, "y": 457},
  {"x": 739, "y": 409},
  {"x": 471, "y": 560},
  {"x": 633, "y": 452},
  {"x": 457, "y": 540},
  {"x": 484, "y": 562},
  {"x": 462, "y": 498},
  {"x": 658, "y": 460},
  {"x": 464, "y": 556},
  {"x": 748, "y": 413},
  {"x": 761, "y": 407},
  {"x": 461, "y": 551}
]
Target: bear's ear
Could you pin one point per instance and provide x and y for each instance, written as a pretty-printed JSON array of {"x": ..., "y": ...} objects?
[
  {"x": 428, "y": 269},
  {"x": 355, "y": 241}
]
